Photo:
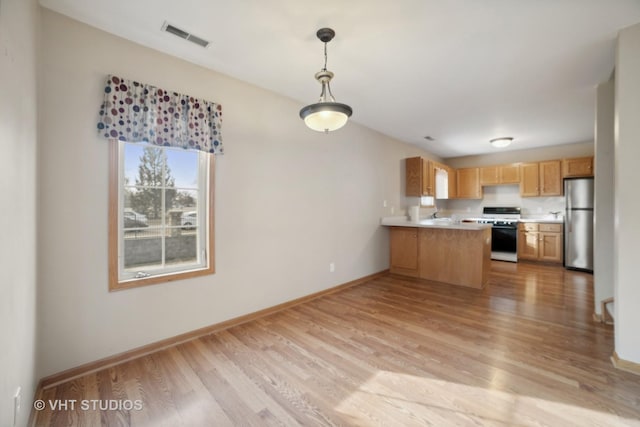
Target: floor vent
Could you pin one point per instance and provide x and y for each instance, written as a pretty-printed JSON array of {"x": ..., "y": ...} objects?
[{"x": 184, "y": 34}]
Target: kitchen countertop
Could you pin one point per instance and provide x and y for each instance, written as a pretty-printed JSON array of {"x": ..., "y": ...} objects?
[
  {"x": 544, "y": 220},
  {"x": 402, "y": 221}
]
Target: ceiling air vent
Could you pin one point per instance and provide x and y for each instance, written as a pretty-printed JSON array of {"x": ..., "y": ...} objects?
[{"x": 184, "y": 34}]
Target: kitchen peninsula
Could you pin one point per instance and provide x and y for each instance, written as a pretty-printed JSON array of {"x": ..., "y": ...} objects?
[{"x": 440, "y": 250}]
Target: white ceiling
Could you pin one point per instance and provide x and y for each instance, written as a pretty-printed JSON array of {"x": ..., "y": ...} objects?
[{"x": 461, "y": 71}]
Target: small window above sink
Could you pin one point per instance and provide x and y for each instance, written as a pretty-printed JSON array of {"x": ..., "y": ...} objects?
[{"x": 427, "y": 201}]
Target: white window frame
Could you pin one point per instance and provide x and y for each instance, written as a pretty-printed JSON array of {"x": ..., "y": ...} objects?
[{"x": 120, "y": 279}]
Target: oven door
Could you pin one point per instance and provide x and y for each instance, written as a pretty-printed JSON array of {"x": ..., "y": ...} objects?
[{"x": 504, "y": 242}]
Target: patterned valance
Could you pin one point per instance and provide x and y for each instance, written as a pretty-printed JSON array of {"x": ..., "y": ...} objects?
[{"x": 136, "y": 112}]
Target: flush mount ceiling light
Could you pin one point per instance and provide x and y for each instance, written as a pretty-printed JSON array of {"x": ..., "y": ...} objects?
[
  {"x": 501, "y": 142},
  {"x": 327, "y": 114}
]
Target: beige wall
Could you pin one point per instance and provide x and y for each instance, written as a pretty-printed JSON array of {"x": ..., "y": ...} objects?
[
  {"x": 604, "y": 201},
  {"x": 627, "y": 201},
  {"x": 289, "y": 201},
  {"x": 18, "y": 123}
]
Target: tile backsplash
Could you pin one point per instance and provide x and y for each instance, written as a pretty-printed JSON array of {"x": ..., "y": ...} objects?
[{"x": 503, "y": 195}]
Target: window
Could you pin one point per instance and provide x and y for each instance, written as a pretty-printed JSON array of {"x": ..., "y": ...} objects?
[
  {"x": 442, "y": 183},
  {"x": 427, "y": 201},
  {"x": 160, "y": 214}
]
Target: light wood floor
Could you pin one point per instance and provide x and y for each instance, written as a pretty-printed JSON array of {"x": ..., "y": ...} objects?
[{"x": 394, "y": 352}]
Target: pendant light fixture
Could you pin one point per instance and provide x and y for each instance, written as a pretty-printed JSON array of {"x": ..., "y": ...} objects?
[{"x": 327, "y": 114}]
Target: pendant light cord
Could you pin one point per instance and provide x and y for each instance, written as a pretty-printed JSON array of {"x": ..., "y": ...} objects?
[{"x": 325, "y": 57}]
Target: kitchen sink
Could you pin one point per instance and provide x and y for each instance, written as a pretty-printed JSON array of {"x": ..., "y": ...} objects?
[{"x": 436, "y": 221}]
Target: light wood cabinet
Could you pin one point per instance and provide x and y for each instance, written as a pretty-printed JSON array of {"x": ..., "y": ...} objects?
[
  {"x": 453, "y": 183},
  {"x": 509, "y": 174},
  {"x": 489, "y": 175},
  {"x": 528, "y": 241},
  {"x": 550, "y": 178},
  {"x": 581, "y": 166},
  {"x": 529, "y": 177},
  {"x": 503, "y": 174},
  {"x": 404, "y": 251},
  {"x": 550, "y": 242},
  {"x": 468, "y": 183},
  {"x": 540, "y": 242},
  {"x": 428, "y": 178},
  {"x": 419, "y": 177},
  {"x": 541, "y": 179},
  {"x": 449, "y": 255},
  {"x": 458, "y": 257}
]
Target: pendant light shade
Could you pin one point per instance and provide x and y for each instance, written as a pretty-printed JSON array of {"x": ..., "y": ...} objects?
[{"x": 326, "y": 115}]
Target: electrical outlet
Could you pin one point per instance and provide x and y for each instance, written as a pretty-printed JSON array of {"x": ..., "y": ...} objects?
[
  {"x": 332, "y": 267},
  {"x": 392, "y": 210},
  {"x": 384, "y": 203},
  {"x": 17, "y": 402}
]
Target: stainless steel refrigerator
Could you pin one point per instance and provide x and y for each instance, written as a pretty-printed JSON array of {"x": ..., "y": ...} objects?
[{"x": 578, "y": 224}]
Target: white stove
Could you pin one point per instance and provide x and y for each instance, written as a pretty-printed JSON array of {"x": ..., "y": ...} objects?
[{"x": 504, "y": 231}]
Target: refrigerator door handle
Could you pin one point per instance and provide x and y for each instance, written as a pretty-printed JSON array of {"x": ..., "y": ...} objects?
[{"x": 567, "y": 192}]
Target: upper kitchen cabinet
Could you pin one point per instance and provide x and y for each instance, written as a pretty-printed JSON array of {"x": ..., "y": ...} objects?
[
  {"x": 453, "y": 183},
  {"x": 530, "y": 175},
  {"x": 550, "y": 178},
  {"x": 509, "y": 174},
  {"x": 581, "y": 166},
  {"x": 504, "y": 174},
  {"x": 468, "y": 183},
  {"x": 420, "y": 178},
  {"x": 489, "y": 175},
  {"x": 541, "y": 179}
]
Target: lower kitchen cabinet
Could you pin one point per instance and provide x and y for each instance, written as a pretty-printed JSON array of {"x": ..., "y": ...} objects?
[
  {"x": 404, "y": 251},
  {"x": 527, "y": 242},
  {"x": 540, "y": 242},
  {"x": 459, "y": 255}
]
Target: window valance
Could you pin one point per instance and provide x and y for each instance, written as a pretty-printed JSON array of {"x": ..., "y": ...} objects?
[{"x": 136, "y": 112}]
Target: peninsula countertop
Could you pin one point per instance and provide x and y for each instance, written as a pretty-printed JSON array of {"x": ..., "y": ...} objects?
[{"x": 447, "y": 223}]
